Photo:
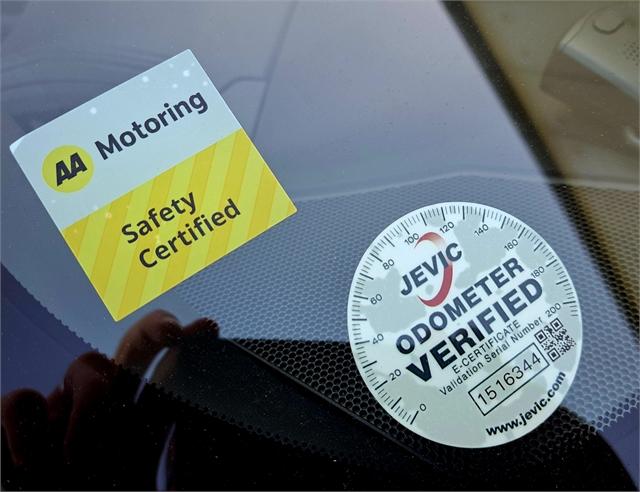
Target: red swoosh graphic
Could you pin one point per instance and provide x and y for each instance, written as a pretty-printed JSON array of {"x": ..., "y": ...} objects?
[{"x": 448, "y": 272}]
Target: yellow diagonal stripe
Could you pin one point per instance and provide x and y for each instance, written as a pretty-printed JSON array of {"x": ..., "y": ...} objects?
[
  {"x": 197, "y": 185},
  {"x": 112, "y": 221},
  {"x": 263, "y": 203},
  {"x": 137, "y": 274},
  {"x": 231, "y": 189},
  {"x": 124, "y": 254},
  {"x": 211, "y": 199},
  {"x": 74, "y": 235},
  {"x": 155, "y": 276},
  {"x": 280, "y": 208},
  {"x": 249, "y": 191},
  {"x": 92, "y": 239},
  {"x": 235, "y": 195}
]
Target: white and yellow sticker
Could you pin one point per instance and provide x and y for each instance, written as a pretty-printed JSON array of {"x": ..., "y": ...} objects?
[{"x": 151, "y": 182}]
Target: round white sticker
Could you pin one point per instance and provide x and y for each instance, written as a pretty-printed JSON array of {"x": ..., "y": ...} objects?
[{"x": 464, "y": 324}]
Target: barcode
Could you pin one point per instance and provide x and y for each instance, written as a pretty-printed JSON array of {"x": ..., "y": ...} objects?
[{"x": 554, "y": 339}]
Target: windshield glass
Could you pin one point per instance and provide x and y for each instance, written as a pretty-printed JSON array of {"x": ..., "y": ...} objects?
[{"x": 365, "y": 111}]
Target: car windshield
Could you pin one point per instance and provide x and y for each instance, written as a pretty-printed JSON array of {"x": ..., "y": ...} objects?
[{"x": 365, "y": 112}]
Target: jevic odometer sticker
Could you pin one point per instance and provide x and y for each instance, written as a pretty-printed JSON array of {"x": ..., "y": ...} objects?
[{"x": 464, "y": 324}]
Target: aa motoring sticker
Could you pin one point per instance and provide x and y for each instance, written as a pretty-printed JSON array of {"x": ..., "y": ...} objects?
[
  {"x": 151, "y": 182},
  {"x": 464, "y": 324}
]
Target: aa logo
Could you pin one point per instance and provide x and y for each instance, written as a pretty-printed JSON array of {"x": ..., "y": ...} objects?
[{"x": 67, "y": 168}]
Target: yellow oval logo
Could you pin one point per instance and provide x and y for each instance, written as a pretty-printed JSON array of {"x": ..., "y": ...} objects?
[{"x": 67, "y": 168}]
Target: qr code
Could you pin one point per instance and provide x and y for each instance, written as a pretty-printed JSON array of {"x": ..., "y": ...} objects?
[{"x": 554, "y": 339}]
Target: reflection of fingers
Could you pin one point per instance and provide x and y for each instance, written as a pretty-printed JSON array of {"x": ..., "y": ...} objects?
[
  {"x": 198, "y": 332},
  {"x": 145, "y": 339},
  {"x": 200, "y": 326},
  {"x": 107, "y": 434},
  {"x": 58, "y": 405},
  {"x": 24, "y": 421},
  {"x": 203, "y": 327},
  {"x": 87, "y": 385}
]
